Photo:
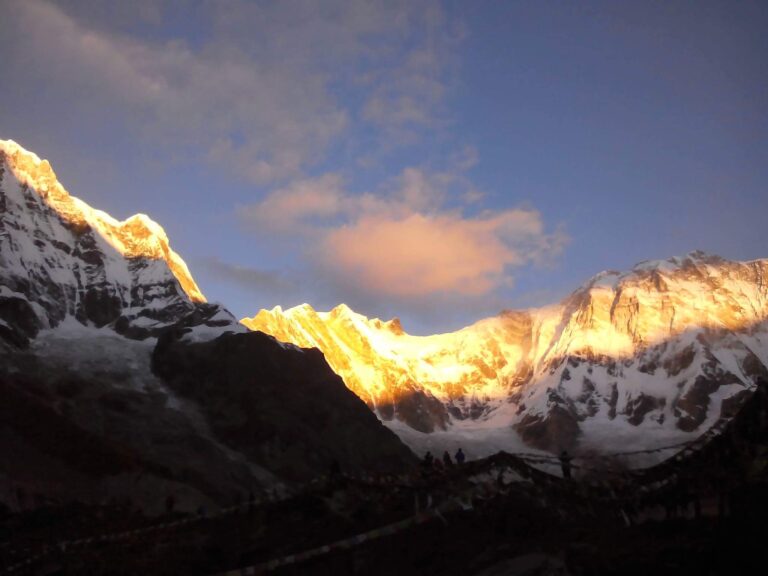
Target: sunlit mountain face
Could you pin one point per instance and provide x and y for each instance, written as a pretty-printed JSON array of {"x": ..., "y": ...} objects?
[
  {"x": 63, "y": 259},
  {"x": 629, "y": 360},
  {"x": 136, "y": 237},
  {"x": 633, "y": 359}
]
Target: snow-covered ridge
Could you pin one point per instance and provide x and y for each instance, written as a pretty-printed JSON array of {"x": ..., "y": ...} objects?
[
  {"x": 62, "y": 260},
  {"x": 107, "y": 341},
  {"x": 657, "y": 352},
  {"x": 136, "y": 237},
  {"x": 613, "y": 314}
]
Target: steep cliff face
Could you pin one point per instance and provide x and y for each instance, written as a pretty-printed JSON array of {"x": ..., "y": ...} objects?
[
  {"x": 280, "y": 406},
  {"x": 89, "y": 306},
  {"x": 659, "y": 351},
  {"x": 672, "y": 343},
  {"x": 59, "y": 258}
]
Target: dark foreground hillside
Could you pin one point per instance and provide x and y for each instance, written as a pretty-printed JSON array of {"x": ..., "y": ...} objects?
[{"x": 701, "y": 512}]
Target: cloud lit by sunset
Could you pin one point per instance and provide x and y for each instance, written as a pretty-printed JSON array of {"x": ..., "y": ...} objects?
[
  {"x": 434, "y": 161},
  {"x": 406, "y": 240},
  {"x": 421, "y": 255}
]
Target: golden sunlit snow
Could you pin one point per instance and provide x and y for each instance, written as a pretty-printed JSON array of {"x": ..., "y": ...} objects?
[
  {"x": 135, "y": 237},
  {"x": 614, "y": 315}
]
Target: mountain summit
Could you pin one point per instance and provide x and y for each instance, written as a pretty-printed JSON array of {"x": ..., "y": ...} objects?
[
  {"x": 61, "y": 258},
  {"x": 118, "y": 379},
  {"x": 636, "y": 358}
]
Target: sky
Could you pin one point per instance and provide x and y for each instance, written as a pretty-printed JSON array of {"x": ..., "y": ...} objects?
[{"x": 434, "y": 161}]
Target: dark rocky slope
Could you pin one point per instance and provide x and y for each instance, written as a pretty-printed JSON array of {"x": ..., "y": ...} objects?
[
  {"x": 83, "y": 300},
  {"x": 281, "y": 406}
]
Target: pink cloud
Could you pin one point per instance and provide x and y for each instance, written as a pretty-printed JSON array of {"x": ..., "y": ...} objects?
[
  {"x": 403, "y": 241},
  {"x": 448, "y": 253},
  {"x": 297, "y": 206}
]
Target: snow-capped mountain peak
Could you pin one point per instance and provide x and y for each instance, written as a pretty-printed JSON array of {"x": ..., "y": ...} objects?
[
  {"x": 61, "y": 258},
  {"x": 118, "y": 380},
  {"x": 657, "y": 352},
  {"x": 136, "y": 237}
]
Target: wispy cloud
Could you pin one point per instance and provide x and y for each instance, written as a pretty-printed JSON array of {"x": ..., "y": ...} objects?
[
  {"x": 297, "y": 208},
  {"x": 408, "y": 93},
  {"x": 262, "y": 93},
  {"x": 251, "y": 279}
]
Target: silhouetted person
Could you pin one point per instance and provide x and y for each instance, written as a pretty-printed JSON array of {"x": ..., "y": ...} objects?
[
  {"x": 170, "y": 504},
  {"x": 460, "y": 457},
  {"x": 21, "y": 497},
  {"x": 447, "y": 459},
  {"x": 565, "y": 464},
  {"x": 428, "y": 460}
]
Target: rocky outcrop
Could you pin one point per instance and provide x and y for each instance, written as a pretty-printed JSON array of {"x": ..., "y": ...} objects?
[{"x": 557, "y": 430}]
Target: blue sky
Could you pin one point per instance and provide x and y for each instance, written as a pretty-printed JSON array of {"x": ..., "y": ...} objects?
[{"x": 437, "y": 161}]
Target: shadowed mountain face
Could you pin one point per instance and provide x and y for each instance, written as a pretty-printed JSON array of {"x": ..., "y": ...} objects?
[
  {"x": 89, "y": 306},
  {"x": 659, "y": 352},
  {"x": 281, "y": 406}
]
